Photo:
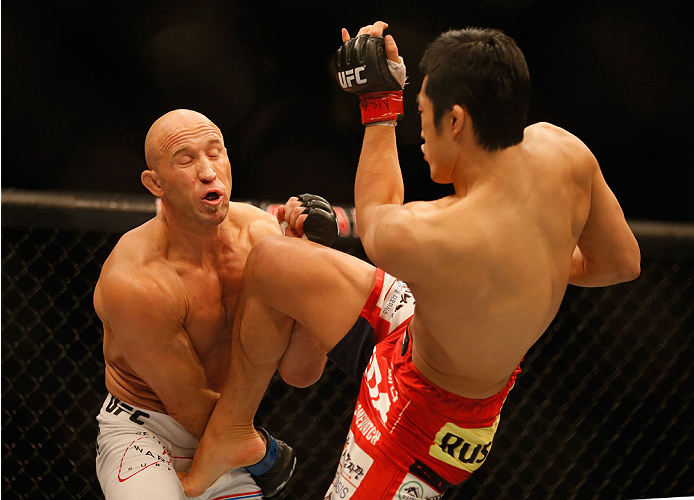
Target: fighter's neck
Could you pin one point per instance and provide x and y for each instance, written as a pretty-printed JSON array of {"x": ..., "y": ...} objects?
[
  {"x": 195, "y": 243},
  {"x": 477, "y": 167}
]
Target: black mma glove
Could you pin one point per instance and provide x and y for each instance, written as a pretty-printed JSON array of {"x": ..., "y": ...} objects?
[
  {"x": 361, "y": 67},
  {"x": 321, "y": 224}
]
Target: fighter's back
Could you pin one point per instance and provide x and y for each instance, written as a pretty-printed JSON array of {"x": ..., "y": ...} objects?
[{"x": 497, "y": 261}]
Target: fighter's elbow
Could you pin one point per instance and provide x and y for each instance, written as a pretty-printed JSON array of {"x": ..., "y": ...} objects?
[
  {"x": 631, "y": 270},
  {"x": 597, "y": 273},
  {"x": 629, "y": 267}
]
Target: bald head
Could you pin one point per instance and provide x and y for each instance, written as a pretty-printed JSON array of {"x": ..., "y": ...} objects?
[{"x": 168, "y": 126}]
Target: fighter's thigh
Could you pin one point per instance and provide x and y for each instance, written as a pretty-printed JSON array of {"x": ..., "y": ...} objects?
[
  {"x": 323, "y": 289},
  {"x": 136, "y": 467}
]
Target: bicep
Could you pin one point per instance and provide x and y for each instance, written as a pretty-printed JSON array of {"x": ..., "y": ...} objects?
[{"x": 146, "y": 322}]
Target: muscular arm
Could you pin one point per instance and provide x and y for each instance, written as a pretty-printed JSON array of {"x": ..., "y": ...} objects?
[
  {"x": 607, "y": 252},
  {"x": 146, "y": 317},
  {"x": 378, "y": 187}
]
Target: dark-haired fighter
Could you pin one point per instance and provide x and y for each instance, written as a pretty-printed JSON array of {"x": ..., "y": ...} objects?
[
  {"x": 488, "y": 267},
  {"x": 166, "y": 297}
]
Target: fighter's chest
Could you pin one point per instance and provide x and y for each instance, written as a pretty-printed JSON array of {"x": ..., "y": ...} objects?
[{"x": 211, "y": 297}]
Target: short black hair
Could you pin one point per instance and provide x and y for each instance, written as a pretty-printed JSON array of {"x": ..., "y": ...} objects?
[{"x": 484, "y": 71}]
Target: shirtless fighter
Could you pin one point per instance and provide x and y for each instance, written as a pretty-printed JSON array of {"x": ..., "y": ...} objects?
[
  {"x": 488, "y": 267},
  {"x": 166, "y": 297}
]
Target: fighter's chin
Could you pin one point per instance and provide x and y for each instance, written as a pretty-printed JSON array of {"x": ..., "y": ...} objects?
[{"x": 217, "y": 213}]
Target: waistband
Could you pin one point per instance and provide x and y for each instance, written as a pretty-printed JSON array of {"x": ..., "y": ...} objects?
[
  {"x": 116, "y": 411},
  {"x": 477, "y": 412}
]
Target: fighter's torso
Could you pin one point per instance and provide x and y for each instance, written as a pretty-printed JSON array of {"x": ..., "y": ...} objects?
[
  {"x": 501, "y": 266},
  {"x": 210, "y": 289}
]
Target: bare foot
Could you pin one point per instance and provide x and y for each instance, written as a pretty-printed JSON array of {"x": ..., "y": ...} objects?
[{"x": 216, "y": 454}]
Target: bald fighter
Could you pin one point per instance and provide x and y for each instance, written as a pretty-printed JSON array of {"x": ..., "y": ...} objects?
[
  {"x": 166, "y": 297},
  {"x": 487, "y": 267}
]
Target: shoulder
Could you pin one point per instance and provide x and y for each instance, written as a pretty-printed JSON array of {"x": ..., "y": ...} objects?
[
  {"x": 252, "y": 220},
  {"x": 240, "y": 211},
  {"x": 245, "y": 214},
  {"x": 137, "y": 275},
  {"x": 544, "y": 131},
  {"x": 412, "y": 239},
  {"x": 555, "y": 140},
  {"x": 547, "y": 129},
  {"x": 137, "y": 248}
]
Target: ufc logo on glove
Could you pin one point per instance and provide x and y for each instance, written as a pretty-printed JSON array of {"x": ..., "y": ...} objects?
[
  {"x": 345, "y": 77},
  {"x": 362, "y": 68}
]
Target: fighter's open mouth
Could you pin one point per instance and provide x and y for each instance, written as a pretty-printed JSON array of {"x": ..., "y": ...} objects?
[{"x": 212, "y": 195}]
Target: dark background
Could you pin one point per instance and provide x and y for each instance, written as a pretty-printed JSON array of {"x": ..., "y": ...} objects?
[
  {"x": 601, "y": 409},
  {"x": 82, "y": 81}
]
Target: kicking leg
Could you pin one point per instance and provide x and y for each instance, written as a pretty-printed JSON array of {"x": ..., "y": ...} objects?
[
  {"x": 259, "y": 338},
  {"x": 285, "y": 279},
  {"x": 303, "y": 362}
]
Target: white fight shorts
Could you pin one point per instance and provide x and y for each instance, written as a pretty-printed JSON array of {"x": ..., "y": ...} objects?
[{"x": 138, "y": 453}]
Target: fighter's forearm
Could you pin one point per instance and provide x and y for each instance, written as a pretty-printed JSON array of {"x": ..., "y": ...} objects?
[
  {"x": 379, "y": 179},
  {"x": 194, "y": 414}
]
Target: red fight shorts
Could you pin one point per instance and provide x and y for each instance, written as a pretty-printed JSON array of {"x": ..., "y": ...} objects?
[{"x": 409, "y": 439}]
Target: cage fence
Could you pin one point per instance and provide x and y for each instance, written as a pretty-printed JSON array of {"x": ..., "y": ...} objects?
[{"x": 602, "y": 410}]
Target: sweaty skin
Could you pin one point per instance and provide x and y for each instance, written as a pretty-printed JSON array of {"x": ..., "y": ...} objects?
[
  {"x": 168, "y": 291},
  {"x": 488, "y": 266}
]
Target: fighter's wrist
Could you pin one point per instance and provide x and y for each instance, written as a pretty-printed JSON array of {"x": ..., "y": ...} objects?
[
  {"x": 391, "y": 123},
  {"x": 379, "y": 107}
]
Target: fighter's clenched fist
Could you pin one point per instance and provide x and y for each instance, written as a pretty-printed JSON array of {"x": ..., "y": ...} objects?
[{"x": 370, "y": 66}]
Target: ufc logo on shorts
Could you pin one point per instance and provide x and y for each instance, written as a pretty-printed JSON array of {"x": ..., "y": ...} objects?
[
  {"x": 346, "y": 77},
  {"x": 116, "y": 406}
]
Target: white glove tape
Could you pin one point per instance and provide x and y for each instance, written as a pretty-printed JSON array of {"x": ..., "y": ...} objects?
[{"x": 398, "y": 70}]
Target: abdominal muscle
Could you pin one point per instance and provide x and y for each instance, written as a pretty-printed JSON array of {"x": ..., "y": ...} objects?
[{"x": 132, "y": 390}]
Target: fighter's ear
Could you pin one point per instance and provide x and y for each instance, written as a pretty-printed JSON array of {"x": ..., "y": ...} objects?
[
  {"x": 457, "y": 118},
  {"x": 150, "y": 179}
]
